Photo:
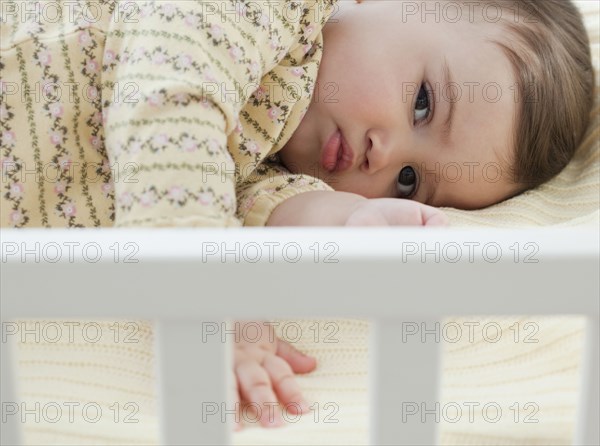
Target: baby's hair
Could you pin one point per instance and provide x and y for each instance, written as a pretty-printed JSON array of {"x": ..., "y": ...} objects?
[{"x": 549, "y": 49}]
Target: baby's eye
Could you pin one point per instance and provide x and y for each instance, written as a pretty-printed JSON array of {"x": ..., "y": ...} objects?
[
  {"x": 422, "y": 105},
  {"x": 407, "y": 182}
]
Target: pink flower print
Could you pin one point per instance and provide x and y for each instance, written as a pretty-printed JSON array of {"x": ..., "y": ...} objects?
[
  {"x": 161, "y": 139},
  {"x": 191, "y": 20},
  {"x": 209, "y": 75},
  {"x": 159, "y": 58},
  {"x": 95, "y": 141},
  {"x": 216, "y": 31},
  {"x": 16, "y": 218},
  {"x": 135, "y": 147},
  {"x": 264, "y": 19},
  {"x": 254, "y": 67},
  {"x": 274, "y": 112},
  {"x": 45, "y": 57},
  {"x": 105, "y": 166},
  {"x": 184, "y": 61},
  {"x": 309, "y": 30},
  {"x": 235, "y": 52},
  {"x": 84, "y": 38},
  {"x": 205, "y": 199},
  {"x": 109, "y": 56},
  {"x": 261, "y": 93},
  {"x": 16, "y": 190},
  {"x": 47, "y": 86},
  {"x": 297, "y": 71},
  {"x": 148, "y": 199},
  {"x": 69, "y": 209},
  {"x": 189, "y": 144},
  {"x": 176, "y": 193},
  {"x": 156, "y": 99},
  {"x": 227, "y": 200},
  {"x": 56, "y": 109},
  {"x": 138, "y": 53},
  {"x": 8, "y": 138},
  {"x": 213, "y": 146},
  {"x": 252, "y": 147},
  {"x": 56, "y": 137},
  {"x": 307, "y": 48},
  {"x": 145, "y": 10},
  {"x": 97, "y": 118},
  {"x": 106, "y": 189},
  {"x": 91, "y": 93},
  {"x": 64, "y": 162},
  {"x": 92, "y": 66},
  {"x": 181, "y": 98},
  {"x": 168, "y": 9},
  {"x": 273, "y": 43},
  {"x": 60, "y": 187},
  {"x": 126, "y": 199},
  {"x": 205, "y": 103}
]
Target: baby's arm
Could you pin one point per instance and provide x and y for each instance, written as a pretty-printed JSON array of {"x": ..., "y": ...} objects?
[{"x": 331, "y": 208}]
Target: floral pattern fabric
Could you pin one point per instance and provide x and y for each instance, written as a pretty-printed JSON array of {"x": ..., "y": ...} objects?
[{"x": 153, "y": 113}]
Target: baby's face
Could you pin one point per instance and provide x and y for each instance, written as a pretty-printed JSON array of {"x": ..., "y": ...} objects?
[{"x": 376, "y": 69}]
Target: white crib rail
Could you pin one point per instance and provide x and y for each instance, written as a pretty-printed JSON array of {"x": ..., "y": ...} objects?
[{"x": 389, "y": 275}]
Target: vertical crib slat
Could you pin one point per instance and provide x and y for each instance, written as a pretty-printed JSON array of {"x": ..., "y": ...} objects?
[
  {"x": 404, "y": 378},
  {"x": 191, "y": 379},
  {"x": 587, "y": 429},
  {"x": 11, "y": 426}
]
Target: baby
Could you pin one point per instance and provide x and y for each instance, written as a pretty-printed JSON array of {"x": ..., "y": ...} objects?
[{"x": 276, "y": 113}]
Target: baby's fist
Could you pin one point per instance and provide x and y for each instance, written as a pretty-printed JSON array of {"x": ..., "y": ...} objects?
[{"x": 395, "y": 212}]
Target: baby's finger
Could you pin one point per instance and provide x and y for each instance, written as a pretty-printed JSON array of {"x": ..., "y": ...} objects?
[
  {"x": 285, "y": 384},
  {"x": 433, "y": 217},
  {"x": 299, "y": 362},
  {"x": 408, "y": 213},
  {"x": 256, "y": 387}
]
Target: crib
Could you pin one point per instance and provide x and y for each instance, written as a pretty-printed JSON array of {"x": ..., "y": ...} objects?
[{"x": 386, "y": 275}]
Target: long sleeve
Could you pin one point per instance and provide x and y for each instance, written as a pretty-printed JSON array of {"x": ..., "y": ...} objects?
[
  {"x": 268, "y": 187},
  {"x": 175, "y": 77}
]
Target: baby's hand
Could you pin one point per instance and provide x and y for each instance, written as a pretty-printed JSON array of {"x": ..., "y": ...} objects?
[
  {"x": 336, "y": 208},
  {"x": 395, "y": 212},
  {"x": 264, "y": 368}
]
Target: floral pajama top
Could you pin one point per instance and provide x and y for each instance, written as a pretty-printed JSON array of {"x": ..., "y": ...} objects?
[{"x": 153, "y": 113}]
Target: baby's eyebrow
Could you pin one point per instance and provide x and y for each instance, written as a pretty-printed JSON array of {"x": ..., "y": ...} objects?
[{"x": 447, "y": 126}]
